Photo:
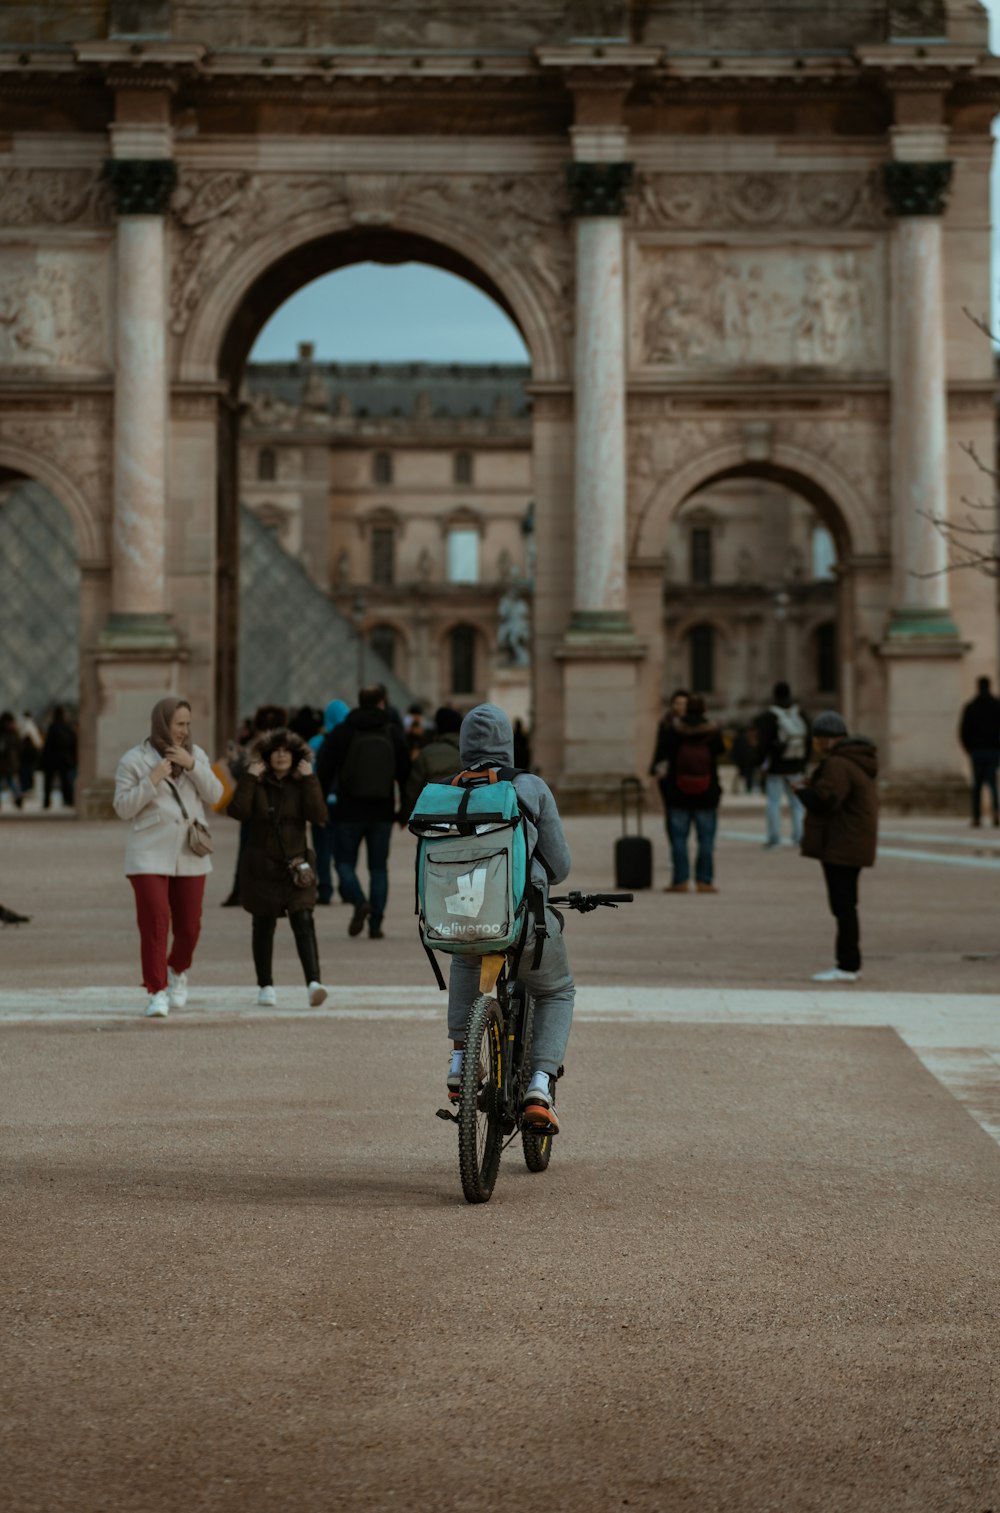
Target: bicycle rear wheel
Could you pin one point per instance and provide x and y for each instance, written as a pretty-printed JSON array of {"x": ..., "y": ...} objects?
[{"x": 480, "y": 1137}]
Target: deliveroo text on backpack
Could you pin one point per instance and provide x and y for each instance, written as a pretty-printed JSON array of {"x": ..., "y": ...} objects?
[{"x": 472, "y": 865}]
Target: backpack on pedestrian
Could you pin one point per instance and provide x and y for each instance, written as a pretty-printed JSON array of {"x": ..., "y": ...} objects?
[
  {"x": 792, "y": 733},
  {"x": 693, "y": 767},
  {"x": 473, "y": 871},
  {"x": 369, "y": 766}
]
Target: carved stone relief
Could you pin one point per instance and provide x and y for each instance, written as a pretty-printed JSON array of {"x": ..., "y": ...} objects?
[
  {"x": 713, "y": 308},
  {"x": 53, "y": 308},
  {"x": 697, "y": 200},
  {"x": 53, "y": 196},
  {"x": 213, "y": 213}
]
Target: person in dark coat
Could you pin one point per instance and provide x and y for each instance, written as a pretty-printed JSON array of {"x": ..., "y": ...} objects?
[
  {"x": 439, "y": 760},
  {"x": 979, "y": 733},
  {"x": 274, "y": 798},
  {"x": 10, "y": 755},
  {"x": 366, "y": 760},
  {"x": 841, "y": 830},
  {"x": 687, "y": 763},
  {"x": 782, "y": 752},
  {"x": 58, "y": 760}
]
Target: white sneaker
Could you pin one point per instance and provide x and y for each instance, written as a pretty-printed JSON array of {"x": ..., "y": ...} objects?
[
  {"x": 158, "y": 1006},
  {"x": 317, "y": 994},
  {"x": 267, "y": 997},
  {"x": 177, "y": 988},
  {"x": 835, "y": 974}
]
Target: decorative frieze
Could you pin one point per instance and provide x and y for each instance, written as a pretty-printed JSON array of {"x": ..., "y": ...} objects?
[
  {"x": 791, "y": 199},
  {"x": 713, "y": 308},
  {"x": 917, "y": 188},
  {"x": 141, "y": 186},
  {"x": 53, "y": 197},
  {"x": 598, "y": 188}
]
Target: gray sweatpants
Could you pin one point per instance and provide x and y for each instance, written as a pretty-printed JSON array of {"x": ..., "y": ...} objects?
[{"x": 551, "y": 987}]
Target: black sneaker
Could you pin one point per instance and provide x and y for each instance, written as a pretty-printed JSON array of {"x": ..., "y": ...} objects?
[
  {"x": 361, "y": 913},
  {"x": 375, "y": 932}
]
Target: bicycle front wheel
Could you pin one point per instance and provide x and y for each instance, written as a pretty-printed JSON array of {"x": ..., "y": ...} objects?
[{"x": 480, "y": 1137}]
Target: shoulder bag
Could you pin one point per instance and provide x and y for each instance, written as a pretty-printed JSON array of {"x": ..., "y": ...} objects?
[{"x": 199, "y": 837}]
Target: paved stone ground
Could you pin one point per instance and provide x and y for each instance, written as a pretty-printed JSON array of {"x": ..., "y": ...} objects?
[{"x": 760, "y": 1273}]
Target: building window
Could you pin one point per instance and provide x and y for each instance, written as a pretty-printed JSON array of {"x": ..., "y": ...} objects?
[
  {"x": 463, "y": 467},
  {"x": 826, "y": 658},
  {"x": 382, "y": 640},
  {"x": 463, "y": 555},
  {"x": 382, "y": 467},
  {"x": 701, "y": 554},
  {"x": 383, "y": 554},
  {"x": 463, "y": 659},
  {"x": 701, "y": 642},
  {"x": 266, "y": 465},
  {"x": 824, "y": 555}
]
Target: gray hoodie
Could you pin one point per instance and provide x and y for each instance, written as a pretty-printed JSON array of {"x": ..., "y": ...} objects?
[{"x": 487, "y": 740}]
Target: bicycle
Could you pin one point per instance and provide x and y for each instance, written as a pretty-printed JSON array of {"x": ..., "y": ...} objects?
[{"x": 496, "y": 1069}]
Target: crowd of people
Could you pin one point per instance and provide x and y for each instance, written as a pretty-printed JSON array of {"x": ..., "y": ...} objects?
[{"x": 27, "y": 750}]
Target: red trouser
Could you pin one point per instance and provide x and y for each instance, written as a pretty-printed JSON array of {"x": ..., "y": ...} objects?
[{"x": 158, "y": 900}]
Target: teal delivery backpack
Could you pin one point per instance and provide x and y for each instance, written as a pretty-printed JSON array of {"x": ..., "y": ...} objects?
[{"x": 473, "y": 879}]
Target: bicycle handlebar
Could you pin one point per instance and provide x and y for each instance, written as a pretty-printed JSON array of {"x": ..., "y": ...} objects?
[{"x": 583, "y": 903}]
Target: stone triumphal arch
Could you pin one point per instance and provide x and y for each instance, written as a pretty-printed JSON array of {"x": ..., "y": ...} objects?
[{"x": 744, "y": 254}]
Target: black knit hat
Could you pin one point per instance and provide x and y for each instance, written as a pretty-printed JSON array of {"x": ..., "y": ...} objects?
[{"x": 829, "y": 723}]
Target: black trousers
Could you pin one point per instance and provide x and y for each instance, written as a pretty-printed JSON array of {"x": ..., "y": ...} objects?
[
  {"x": 304, "y": 930},
  {"x": 842, "y": 891}
]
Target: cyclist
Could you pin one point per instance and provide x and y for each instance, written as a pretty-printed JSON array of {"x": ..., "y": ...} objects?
[{"x": 487, "y": 740}]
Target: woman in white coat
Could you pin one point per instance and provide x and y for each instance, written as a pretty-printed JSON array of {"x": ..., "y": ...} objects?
[{"x": 162, "y": 786}]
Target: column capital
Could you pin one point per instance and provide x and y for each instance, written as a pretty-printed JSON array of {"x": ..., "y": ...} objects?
[
  {"x": 598, "y": 188},
  {"x": 917, "y": 188},
  {"x": 141, "y": 186}
]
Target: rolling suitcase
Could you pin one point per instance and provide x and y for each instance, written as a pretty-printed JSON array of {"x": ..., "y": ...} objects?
[{"x": 633, "y": 853}]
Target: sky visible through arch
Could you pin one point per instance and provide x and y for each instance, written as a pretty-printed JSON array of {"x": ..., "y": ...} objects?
[{"x": 406, "y": 312}]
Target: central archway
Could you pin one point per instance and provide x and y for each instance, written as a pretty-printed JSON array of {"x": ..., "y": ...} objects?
[{"x": 290, "y": 271}]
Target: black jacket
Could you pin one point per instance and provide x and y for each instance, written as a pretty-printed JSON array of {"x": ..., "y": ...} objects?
[
  {"x": 980, "y": 727},
  {"x": 333, "y": 753},
  {"x": 670, "y": 737},
  {"x": 265, "y": 883}
]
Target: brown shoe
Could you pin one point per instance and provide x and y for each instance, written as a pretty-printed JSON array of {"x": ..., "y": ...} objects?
[
  {"x": 707, "y": 888},
  {"x": 676, "y": 888}
]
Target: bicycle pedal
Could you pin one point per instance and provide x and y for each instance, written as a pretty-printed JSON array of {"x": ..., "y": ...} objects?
[{"x": 446, "y": 1113}]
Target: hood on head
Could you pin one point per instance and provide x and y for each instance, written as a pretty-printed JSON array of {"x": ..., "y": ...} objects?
[
  {"x": 860, "y": 750},
  {"x": 486, "y": 738},
  {"x": 336, "y": 713}
]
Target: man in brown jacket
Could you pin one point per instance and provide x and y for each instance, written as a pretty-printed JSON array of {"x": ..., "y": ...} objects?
[{"x": 841, "y": 830}]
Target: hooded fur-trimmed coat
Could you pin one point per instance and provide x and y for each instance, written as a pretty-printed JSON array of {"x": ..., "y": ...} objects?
[{"x": 266, "y": 886}]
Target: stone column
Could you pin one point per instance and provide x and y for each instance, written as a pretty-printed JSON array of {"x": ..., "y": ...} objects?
[
  {"x": 597, "y": 191},
  {"x": 600, "y": 652},
  {"x": 139, "y": 656},
  {"x": 921, "y": 648},
  {"x": 919, "y": 403},
  {"x": 142, "y": 191}
]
